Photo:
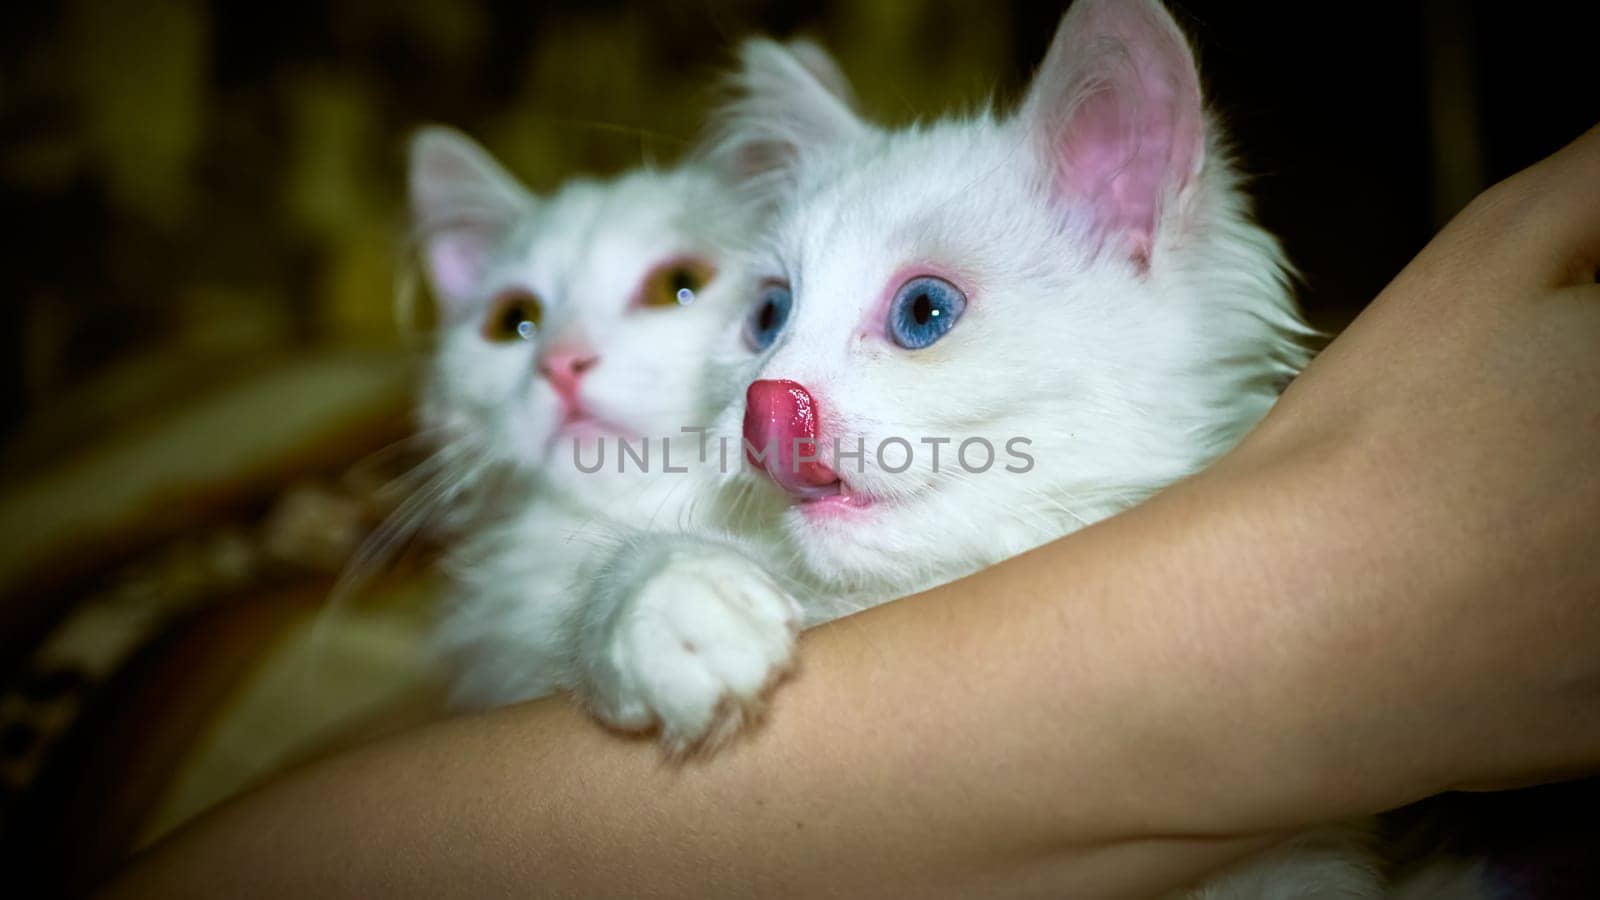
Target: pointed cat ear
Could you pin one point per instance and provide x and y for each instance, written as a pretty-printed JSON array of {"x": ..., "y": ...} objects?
[
  {"x": 463, "y": 204},
  {"x": 822, "y": 67},
  {"x": 788, "y": 99},
  {"x": 1117, "y": 113}
]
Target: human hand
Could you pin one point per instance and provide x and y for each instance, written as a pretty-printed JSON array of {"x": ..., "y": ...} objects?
[{"x": 1456, "y": 429}]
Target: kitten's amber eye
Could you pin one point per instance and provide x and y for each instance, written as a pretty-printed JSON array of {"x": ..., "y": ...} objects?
[
  {"x": 514, "y": 315},
  {"x": 677, "y": 283}
]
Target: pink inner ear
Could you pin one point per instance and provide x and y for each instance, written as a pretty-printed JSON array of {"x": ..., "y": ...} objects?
[
  {"x": 1121, "y": 104},
  {"x": 462, "y": 205},
  {"x": 1126, "y": 161},
  {"x": 456, "y": 262}
]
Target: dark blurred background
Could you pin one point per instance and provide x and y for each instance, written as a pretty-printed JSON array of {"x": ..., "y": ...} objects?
[
  {"x": 200, "y": 180},
  {"x": 203, "y": 206}
]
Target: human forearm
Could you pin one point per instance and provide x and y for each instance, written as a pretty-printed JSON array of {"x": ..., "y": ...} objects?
[
  {"x": 1105, "y": 728},
  {"x": 1102, "y": 713},
  {"x": 986, "y": 738}
]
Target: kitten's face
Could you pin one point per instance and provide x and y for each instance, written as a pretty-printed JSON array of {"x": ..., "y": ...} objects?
[
  {"x": 584, "y": 318},
  {"x": 942, "y": 294},
  {"x": 1051, "y": 363}
]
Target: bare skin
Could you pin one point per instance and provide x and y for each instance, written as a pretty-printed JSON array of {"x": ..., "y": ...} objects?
[{"x": 1390, "y": 589}]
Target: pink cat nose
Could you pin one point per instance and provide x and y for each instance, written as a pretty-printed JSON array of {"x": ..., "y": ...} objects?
[
  {"x": 564, "y": 365},
  {"x": 780, "y": 424}
]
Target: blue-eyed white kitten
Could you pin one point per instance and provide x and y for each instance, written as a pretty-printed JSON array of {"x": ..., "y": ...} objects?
[{"x": 1082, "y": 274}]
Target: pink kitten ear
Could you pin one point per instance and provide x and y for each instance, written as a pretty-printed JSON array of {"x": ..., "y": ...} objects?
[
  {"x": 1116, "y": 109},
  {"x": 788, "y": 99},
  {"x": 463, "y": 204}
]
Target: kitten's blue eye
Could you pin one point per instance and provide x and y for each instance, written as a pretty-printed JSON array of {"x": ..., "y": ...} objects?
[
  {"x": 767, "y": 319},
  {"x": 924, "y": 310}
]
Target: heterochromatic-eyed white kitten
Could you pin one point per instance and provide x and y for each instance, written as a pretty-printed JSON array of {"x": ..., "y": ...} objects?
[
  {"x": 1009, "y": 327},
  {"x": 974, "y": 336},
  {"x": 569, "y": 322}
]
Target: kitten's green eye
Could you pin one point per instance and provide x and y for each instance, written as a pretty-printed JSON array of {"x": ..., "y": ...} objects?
[
  {"x": 514, "y": 315},
  {"x": 677, "y": 283}
]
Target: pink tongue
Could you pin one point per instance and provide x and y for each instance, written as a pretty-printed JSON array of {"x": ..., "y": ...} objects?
[{"x": 777, "y": 413}]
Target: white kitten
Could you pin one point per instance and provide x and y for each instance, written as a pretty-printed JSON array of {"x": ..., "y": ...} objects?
[
  {"x": 1082, "y": 276},
  {"x": 567, "y": 323},
  {"x": 1012, "y": 327}
]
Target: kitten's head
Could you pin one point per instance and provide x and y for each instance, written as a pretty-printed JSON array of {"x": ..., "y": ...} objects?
[
  {"x": 1075, "y": 290},
  {"x": 572, "y": 318}
]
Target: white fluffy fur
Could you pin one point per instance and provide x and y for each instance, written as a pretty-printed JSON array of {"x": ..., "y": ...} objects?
[
  {"x": 1128, "y": 362},
  {"x": 549, "y": 593},
  {"x": 1124, "y": 380},
  {"x": 1125, "y": 369}
]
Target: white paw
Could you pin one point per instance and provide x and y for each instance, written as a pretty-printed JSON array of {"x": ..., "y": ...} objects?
[{"x": 693, "y": 647}]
